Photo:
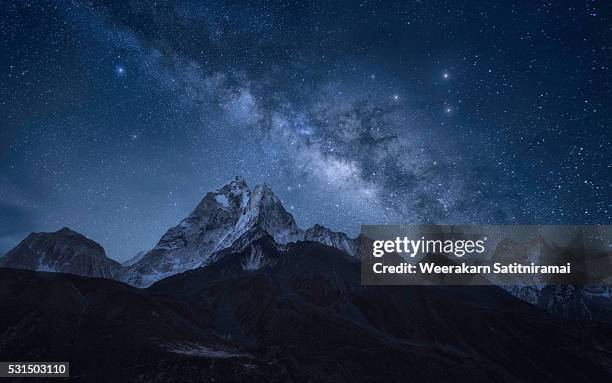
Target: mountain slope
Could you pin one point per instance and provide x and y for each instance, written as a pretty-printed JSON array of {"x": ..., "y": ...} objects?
[
  {"x": 336, "y": 239},
  {"x": 63, "y": 251},
  {"x": 230, "y": 217},
  {"x": 305, "y": 305},
  {"x": 301, "y": 315},
  {"x": 112, "y": 332}
]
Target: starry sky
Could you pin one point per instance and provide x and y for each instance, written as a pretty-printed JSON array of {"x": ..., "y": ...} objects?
[{"x": 117, "y": 117}]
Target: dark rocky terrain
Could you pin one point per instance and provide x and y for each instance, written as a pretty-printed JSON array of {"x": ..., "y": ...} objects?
[
  {"x": 110, "y": 331},
  {"x": 291, "y": 313}
]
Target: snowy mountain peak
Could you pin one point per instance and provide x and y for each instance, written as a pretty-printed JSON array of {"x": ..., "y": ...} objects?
[
  {"x": 234, "y": 195},
  {"x": 232, "y": 216},
  {"x": 267, "y": 211},
  {"x": 235, "y": 188}
]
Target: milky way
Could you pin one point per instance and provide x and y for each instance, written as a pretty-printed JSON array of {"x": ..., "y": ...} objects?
[{"x": 117, "y": 118}]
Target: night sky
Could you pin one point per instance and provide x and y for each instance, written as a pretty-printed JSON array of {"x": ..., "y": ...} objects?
[{"x": 117, "y": 117}]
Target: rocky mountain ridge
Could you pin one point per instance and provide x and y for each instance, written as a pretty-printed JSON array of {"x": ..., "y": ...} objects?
[
  {"x": 63, "y": 251},
  {"x": 231, "y": 217},
  {"x": 229, "y": 220}
]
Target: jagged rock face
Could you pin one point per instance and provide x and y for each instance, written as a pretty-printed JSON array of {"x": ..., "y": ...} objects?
[
  {"x": 565, "y": 301},
  {"x": 230, "y": 217},
  {"x": 339, "y": 240},
  {"x": 190, "y": 243},
  {"x": 64, "y": 251},
  {"x": 266, "y": 211}
]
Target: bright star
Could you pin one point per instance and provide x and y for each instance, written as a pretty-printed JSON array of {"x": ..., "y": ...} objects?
[
  {"x": 395, "y": 97},
  {"x": 120, "y": 70},
  {"x": 445, "y": 75}
]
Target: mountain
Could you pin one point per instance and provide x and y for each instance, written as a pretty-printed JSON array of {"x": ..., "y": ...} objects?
[
  {"x": 230, "y": 217},
  {"x": 339, "y": 240},
  {"x": 275, "y": 304},
  {"x": 300, "y": 315},
  {"x": 63, "y": 251}
]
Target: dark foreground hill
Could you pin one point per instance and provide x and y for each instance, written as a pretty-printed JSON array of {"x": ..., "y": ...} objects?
[
  {"x": 294, "y": 314},
  {"x": 111, "y": 332}
]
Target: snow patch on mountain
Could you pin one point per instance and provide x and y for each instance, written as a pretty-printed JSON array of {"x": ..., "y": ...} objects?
[
  {"x": 255, "y": 260},
  {"x": 222, "y": 200},
  {"x": 193, "y": 349}
]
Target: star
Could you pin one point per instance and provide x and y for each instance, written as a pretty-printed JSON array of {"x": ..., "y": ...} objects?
[
  {"x": 445, "y": 75},
  {"x": 120, "y": 70}
]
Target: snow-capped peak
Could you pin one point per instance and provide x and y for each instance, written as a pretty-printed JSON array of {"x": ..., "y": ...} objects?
[
  {"x": 233, "y": 196},
  {"x": 267, "y": 212},
  {"x": 232, "y": 216}
]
